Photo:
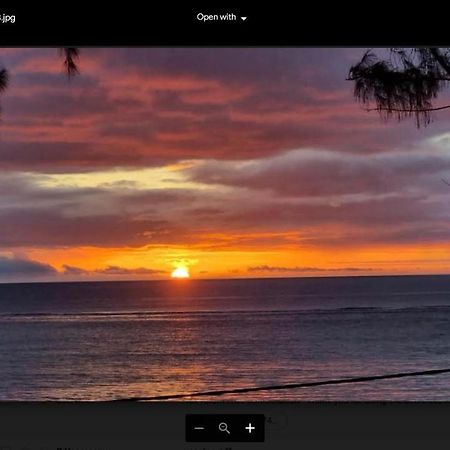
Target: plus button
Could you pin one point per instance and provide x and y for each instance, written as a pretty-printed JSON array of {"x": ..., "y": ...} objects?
[{"x": 250, "y": 428}]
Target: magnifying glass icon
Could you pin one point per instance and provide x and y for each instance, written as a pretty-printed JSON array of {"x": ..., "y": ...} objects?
[{"x": 223, "y": 427}]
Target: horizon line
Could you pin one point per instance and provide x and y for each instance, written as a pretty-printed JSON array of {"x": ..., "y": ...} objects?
[{"x": 186, "y": 280}]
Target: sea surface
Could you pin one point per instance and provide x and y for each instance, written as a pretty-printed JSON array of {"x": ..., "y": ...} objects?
[{"x": 116, "y": 340}]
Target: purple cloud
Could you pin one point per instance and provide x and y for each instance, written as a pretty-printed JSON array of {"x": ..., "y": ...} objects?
[
  {"x": 111, "y": 270},
  {"x": 268, "y": 268},
  {"x": 13, "y": 267}
]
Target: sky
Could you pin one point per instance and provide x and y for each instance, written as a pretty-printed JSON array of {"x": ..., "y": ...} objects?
[{"x": 228, "y": 162}]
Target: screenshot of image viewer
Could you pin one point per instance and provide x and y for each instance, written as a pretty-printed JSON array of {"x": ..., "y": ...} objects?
[{"x": 221, "y": 236}]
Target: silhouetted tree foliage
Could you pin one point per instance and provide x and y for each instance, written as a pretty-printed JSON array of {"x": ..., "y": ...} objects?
[
  {"x": 3, "y": 79},
  {"x": 71, "y": 56},
  {"x": 404, "y": 84}
]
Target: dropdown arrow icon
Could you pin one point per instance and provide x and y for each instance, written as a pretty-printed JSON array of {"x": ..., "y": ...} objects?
[{"x": 243, "y": 18}]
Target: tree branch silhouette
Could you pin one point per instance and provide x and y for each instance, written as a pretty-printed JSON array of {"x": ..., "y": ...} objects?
[
  {"x": 4, "y": 79},
  {"x": 438, "y": 108},
  {"x": 71, "y": 56},
  {"x": 404, "y": 84}
]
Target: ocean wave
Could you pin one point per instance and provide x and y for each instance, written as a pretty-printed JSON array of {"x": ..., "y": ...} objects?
[{"x": 186, "y": 314}]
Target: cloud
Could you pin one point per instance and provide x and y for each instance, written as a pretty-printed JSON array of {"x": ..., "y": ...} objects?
[
  {"x": 50, "y": 228},
  {"x": 112, "y": 270},
  {"x": 318, "y": 172},
  {"x": 123, "y": 215},
  {"x": 116, "y": 270},
  {"x": 12, "y": 267},
  {"x": 144, "y": 107},
  {"x": 267, "y": 268},
  {"x": 72, "y": 270}
]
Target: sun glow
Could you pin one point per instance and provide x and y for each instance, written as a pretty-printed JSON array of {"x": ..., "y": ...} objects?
[{"x": 180, "y": 272}]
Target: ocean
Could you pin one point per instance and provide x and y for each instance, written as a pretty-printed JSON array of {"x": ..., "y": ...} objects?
[{"x": 116, "y": 340}]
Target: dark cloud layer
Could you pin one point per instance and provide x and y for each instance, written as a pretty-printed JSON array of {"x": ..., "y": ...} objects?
[
  {"x": 309, "y": 173},
  {"x": 144, "y": 107},
  {"x": 281, "y": 269},
  {"x": 12, "y": 266},
  {"x": 112, "y": 270},
  {"x": 412, "y": 209}
]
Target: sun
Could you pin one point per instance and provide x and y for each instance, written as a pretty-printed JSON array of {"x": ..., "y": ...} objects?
[{"x": 180, "y": 272}]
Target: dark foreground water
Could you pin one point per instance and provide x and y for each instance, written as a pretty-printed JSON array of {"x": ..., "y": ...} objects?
[{"x": 99, "y": 341}]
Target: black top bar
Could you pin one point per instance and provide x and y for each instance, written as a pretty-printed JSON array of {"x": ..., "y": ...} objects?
[{"x": 150, "y": 24}]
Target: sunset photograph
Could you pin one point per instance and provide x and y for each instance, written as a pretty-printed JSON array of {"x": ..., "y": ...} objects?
[{"x": 183, "y": 223}]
